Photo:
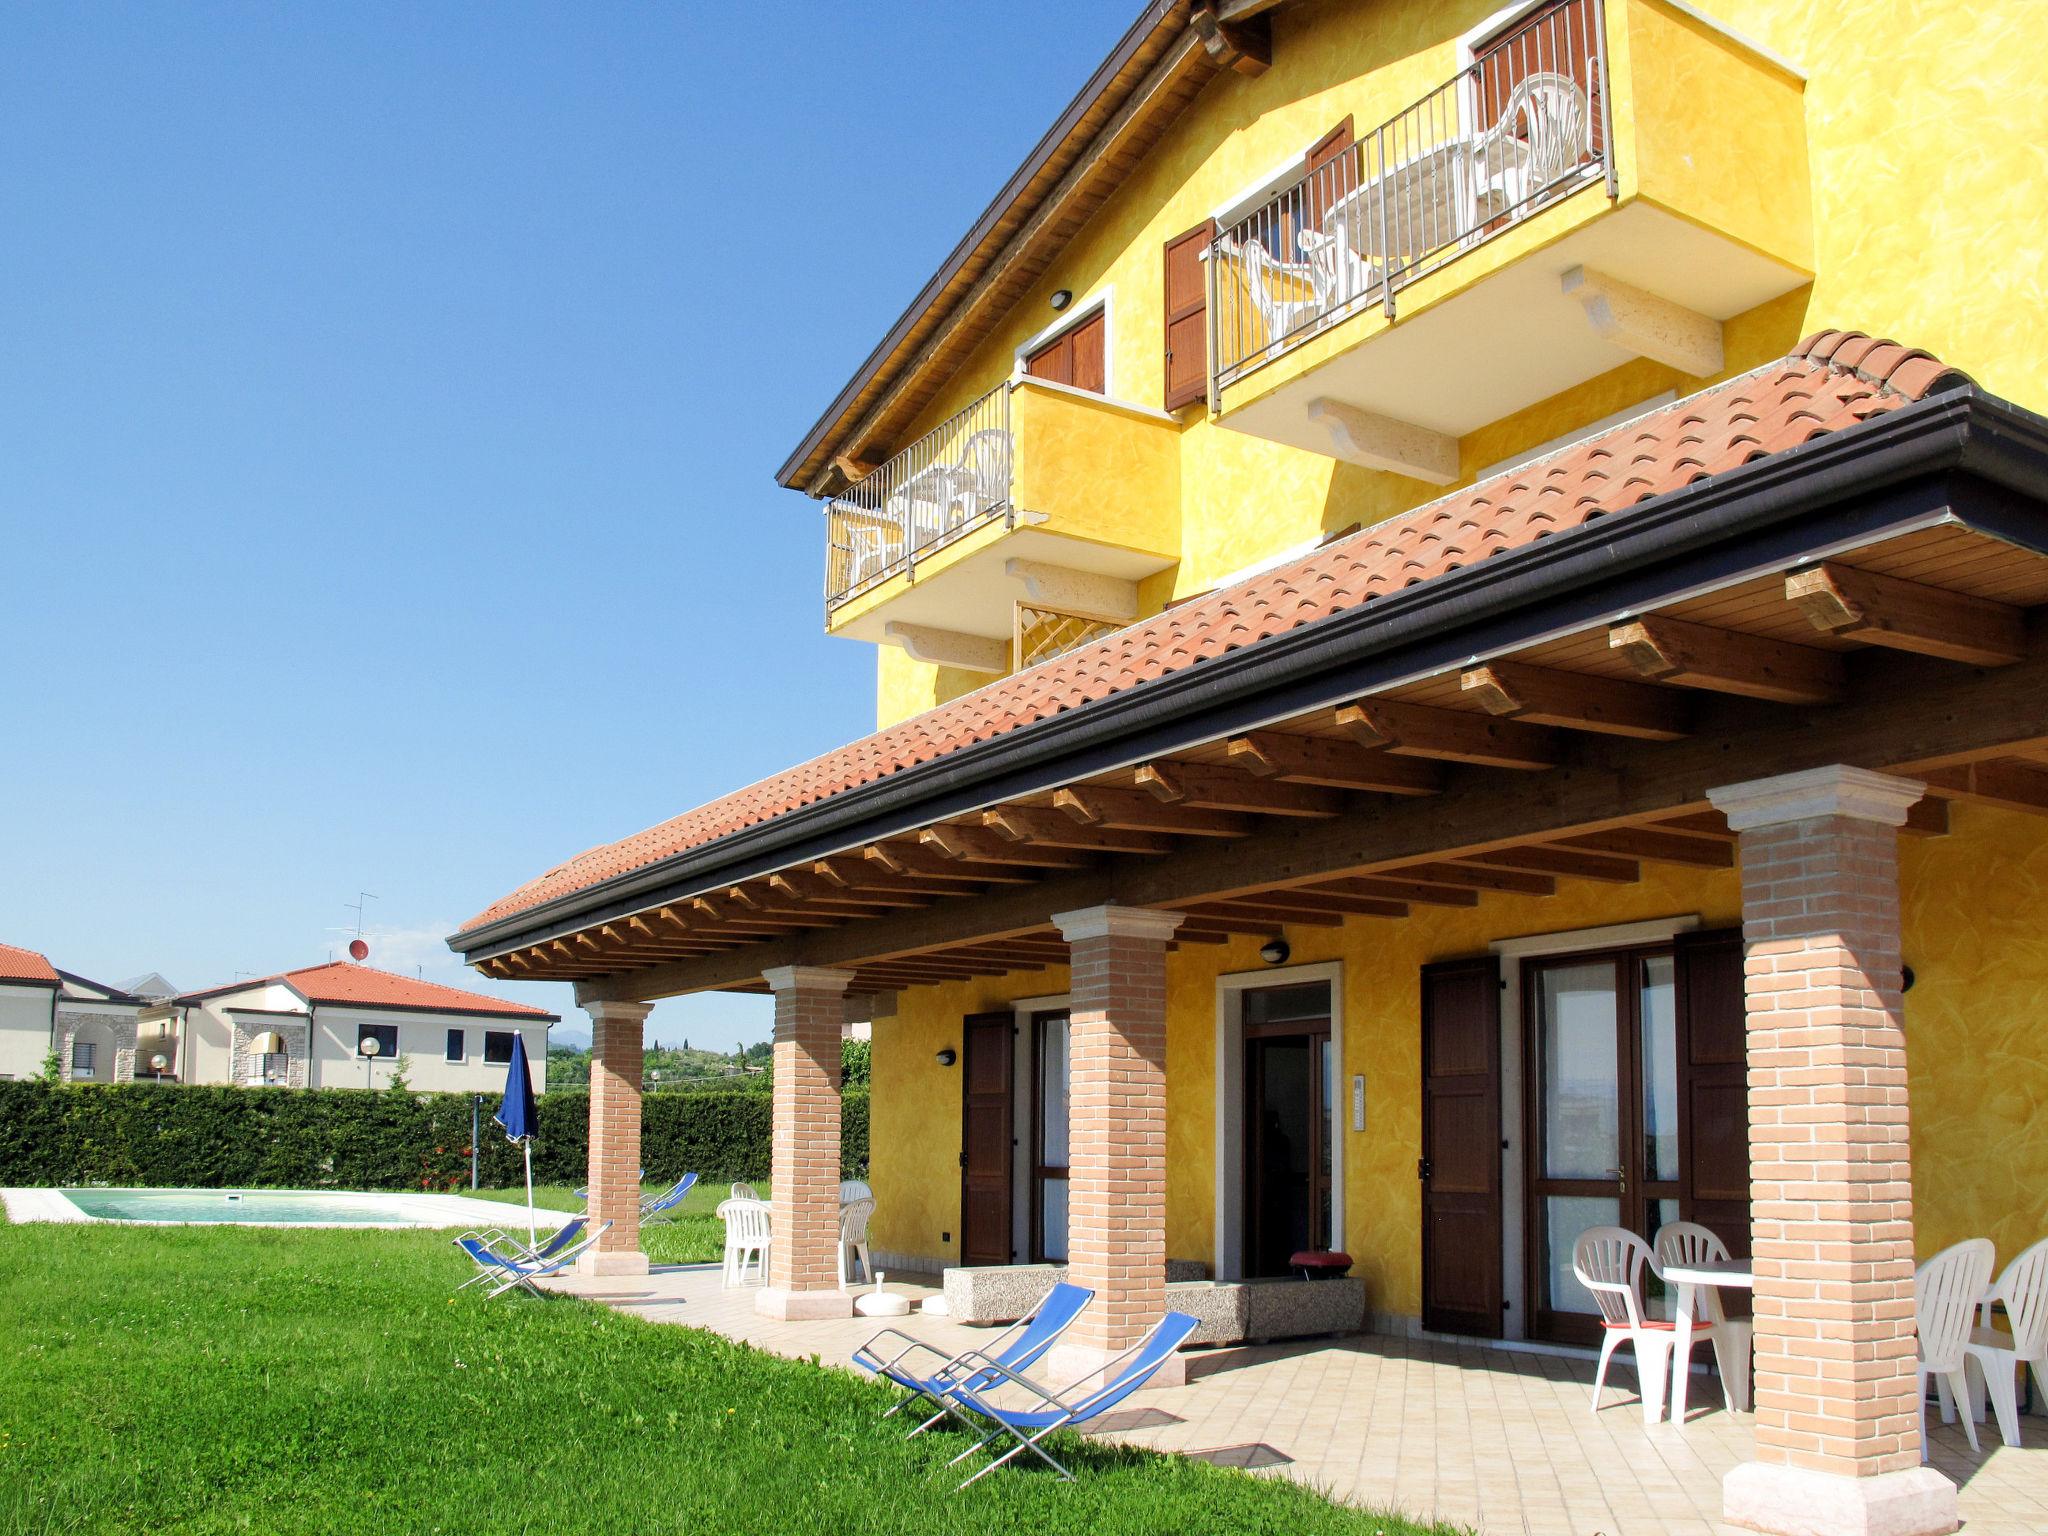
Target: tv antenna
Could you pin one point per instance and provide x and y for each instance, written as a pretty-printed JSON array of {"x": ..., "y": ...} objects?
[{"x": 356, "y": 907}]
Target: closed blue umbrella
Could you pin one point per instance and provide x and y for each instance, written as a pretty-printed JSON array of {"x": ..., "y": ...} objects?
[{"x": 518, "y": 1114}]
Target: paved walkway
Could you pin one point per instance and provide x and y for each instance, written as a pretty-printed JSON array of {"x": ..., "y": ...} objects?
[{"x": 1500, "y": 1440}]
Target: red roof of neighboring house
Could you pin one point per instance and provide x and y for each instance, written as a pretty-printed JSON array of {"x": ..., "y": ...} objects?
[
  {"x": 343, "y": 982},
  {"x": 24, "y": 965},
  {"x": 1832, "y": 380}
]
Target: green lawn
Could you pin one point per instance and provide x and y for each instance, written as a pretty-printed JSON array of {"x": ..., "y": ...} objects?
[
  {"x": 692, "y": 1234},
  {"x": 215, "y": 1380}
]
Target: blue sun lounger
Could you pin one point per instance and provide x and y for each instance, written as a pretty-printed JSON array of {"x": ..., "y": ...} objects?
[
  {"x": 665, "y": 1204},
  {"x": 1067, "y": 1409},
  {"x": 924, "y": 1372},
  {"x": 495, "y": 1249}
]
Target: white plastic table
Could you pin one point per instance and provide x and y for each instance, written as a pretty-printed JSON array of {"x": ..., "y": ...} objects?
[{"x": 1687, "y": 1280}]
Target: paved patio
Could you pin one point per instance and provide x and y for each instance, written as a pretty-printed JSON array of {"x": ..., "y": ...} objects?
[{"x": 1500, "y": 1440}]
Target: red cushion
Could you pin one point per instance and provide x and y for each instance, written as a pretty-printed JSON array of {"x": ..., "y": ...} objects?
[{"x": 1650, "y": 1323}]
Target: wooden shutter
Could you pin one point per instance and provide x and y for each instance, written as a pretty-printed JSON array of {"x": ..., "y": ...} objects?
[
  {"x": 1187, "y": 316},
  {"x": 1713, "y": 1088},
  {"x": 1328, "y": 172},
  {"x": 988, "y": 1057},
  {"x": 1074, "y": 357},
  {"x": 1053, "y": 362},
  {"x": 1461, "y": 1196}
]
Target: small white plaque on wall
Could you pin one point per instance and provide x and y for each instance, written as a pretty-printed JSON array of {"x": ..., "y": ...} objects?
[{"x": 1358, "y": 1102}]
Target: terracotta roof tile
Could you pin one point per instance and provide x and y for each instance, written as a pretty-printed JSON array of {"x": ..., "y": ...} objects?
[
  {"x": 344, "y": 982},
  {"x": 24, "y": 965},
  {"x": 1833, "y": 380}
]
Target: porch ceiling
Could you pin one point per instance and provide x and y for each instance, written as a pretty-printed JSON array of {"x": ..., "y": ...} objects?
[{"x": 1582, "y": 755}]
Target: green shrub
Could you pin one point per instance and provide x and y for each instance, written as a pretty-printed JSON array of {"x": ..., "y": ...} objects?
[{"x": 223, "y": 1137}]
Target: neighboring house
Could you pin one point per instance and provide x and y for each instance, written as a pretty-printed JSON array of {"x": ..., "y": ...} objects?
[
  {"x": 1411, "y": 609},
  {"x": 309, "y": 1028},
  {"x": 90, "y": 1027}
]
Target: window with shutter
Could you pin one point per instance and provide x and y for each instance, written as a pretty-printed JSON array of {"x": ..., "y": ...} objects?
[
  {"x": 1074, "y": 357},
  {"x": 1187, "y": 316}
]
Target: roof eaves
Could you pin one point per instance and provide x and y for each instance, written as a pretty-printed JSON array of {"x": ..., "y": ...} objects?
[{"x": 1259, "y": 682}]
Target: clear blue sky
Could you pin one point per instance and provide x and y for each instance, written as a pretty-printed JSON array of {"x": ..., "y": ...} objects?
[{"x": 390, "y": 397}]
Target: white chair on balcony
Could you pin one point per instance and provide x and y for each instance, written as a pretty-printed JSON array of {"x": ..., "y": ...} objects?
[
  {"x": 1687, "y": 1243},
  {"x": 1609, "y": 1262},
  {"x": 2000, "y": 1356},
  {"x": 1946, "y": 1290},
  {"x": 1542, "y": 135},
  {"x": 1337, "y": 273},
  {"x": 748, "y": 1237},
  {"x": 1282, "y": 292},
  {"x": 853, "y": 1237},
  {"x": 982, "y": 481}
]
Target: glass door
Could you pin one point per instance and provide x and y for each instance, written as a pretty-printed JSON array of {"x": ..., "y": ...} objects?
[
  {"x": 1602, "y": 1038},
  {"x": 1049, "y": 1078},
  {"x": 1289, "y": 1127}
]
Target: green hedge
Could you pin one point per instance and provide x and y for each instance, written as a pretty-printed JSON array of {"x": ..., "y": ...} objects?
[{"x": 216, "y": 1138}]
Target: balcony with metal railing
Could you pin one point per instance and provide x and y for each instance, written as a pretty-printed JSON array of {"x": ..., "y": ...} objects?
[
  {"x": 1604, "y": 179},
  {"x": 1034, "y": 494}
]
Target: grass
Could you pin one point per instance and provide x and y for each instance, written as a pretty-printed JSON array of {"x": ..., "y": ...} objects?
[
  {"x": 219, "y": 1380},
  {"x": 692, "y": 1234}
]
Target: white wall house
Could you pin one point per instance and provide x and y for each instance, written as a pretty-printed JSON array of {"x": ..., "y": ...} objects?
[
  {"x": 309, "y": 1029},
  {"x": 91, "y": 1027}
]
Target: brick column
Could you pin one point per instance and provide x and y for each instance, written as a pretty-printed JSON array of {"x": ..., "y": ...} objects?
[
  {"x": 617, "y": 1055},
  {"x": 803, "y": 1268},
  {"x": 1116, "y": 1130},
  {"x": 1831, "y": 1179}
]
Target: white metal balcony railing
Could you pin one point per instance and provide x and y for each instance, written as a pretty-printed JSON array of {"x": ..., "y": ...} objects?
[
  {"x": 951, "y": 481},
  {"x": 1524, "y": 124}
]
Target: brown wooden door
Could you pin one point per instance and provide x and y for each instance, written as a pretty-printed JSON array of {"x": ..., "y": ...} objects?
[
  {"x": 1460, "y": 1170},
  {"x": 1187, "y": 316},
  {"x": 986, "y": 1137},
  {"x": 1290, "y": 1132},
  {"x": 1713, "y": 1102},
  {"x": 1074, "y": 357}
]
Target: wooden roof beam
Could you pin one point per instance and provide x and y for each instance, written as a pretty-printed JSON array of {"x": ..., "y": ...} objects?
[
  {"x": 1220, "y": 789},
  {"x": 1316, "y": 899},
  {"x": 1132, "y": 810},
  {"x": 1243, "y": 917},
  {"x": 1687, "y": 655},
  {"x": 1576, "y": 700},
  {"x": 918, "y": 859},
  {"x": 1907, "y": 616},
  {"x": 1332, "y": 764},
  {"x": 1567, "y": 863},
  {"x": 1657, "y": 847},
  {"x": 1041, "y": 827},
  {"x": 827, "y": 896},
  {"x": 986, "y": 845},
  {"x": 1510, "y": 880},
  {"x": 1449, "y": 735},
  {"x": 2008, "y": 782},
  {"x": 1392, "y": 888}
]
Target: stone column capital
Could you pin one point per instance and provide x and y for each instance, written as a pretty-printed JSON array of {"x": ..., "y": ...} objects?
[
  {"x": 1837, "y": 790},
  {"x": 1117, "y": 922},
  {"x": 807, "y": 978},
  {"x": 607, "y": 1010}
]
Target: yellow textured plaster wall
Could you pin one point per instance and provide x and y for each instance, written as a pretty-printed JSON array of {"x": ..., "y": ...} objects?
[
  {"x": 1926, "y": 151},
  {"x": 1975, "y": 924},
  {"x": 1976, "y": 933}
]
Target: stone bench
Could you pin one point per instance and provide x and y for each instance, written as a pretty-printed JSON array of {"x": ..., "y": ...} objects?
[{"x": 1231, "y": 1311}]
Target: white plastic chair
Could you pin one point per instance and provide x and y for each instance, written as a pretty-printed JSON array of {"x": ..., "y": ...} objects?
[
  {"x": 1609, "y": 1262},
  {"x": 2000, "y": 1356},
  {"x": 853, "y": 1237},
  {"x": 748, "y": 1237},
  {"x": 1946, "y": 1290},
  {"x": 1687, "y": 1244},
  {"x": 744, "y": 1192},
  {"x": 1336, "y": 272},
  {"x": 854, "y": 1189},
  {"x": 982, "y": 481},
  {"x": 1540, "y": 137},
  {"x": 1264, "y": 280}
]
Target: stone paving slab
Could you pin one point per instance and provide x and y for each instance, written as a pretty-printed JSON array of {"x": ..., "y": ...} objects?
[{"x": 1501, "y": 1440}]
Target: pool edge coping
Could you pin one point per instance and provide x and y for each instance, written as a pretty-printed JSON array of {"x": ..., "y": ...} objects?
[{"x": 53, "y": 1206}]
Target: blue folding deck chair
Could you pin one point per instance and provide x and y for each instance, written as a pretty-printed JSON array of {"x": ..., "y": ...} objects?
[
  {"x": 1016, "y": 1348},
  {"x": 495, "y": 1249},
  {"x": 519, "y": 1274},
  {"x": 664, "y": 1204},
  {"x": 1068, "y": 1409}
]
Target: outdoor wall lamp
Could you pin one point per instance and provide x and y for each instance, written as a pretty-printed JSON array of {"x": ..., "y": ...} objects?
[
  {"x": 1275, "y": 951},
  {"x": 1061, "y": 298},
  {"x": 948, "y": 1056}
]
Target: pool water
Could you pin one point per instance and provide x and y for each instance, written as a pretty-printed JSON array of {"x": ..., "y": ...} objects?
[{"x": 268, "y": 1207}]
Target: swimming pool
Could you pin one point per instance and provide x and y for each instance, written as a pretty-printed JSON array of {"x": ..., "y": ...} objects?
[{"x": 267, "y": 1208}]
